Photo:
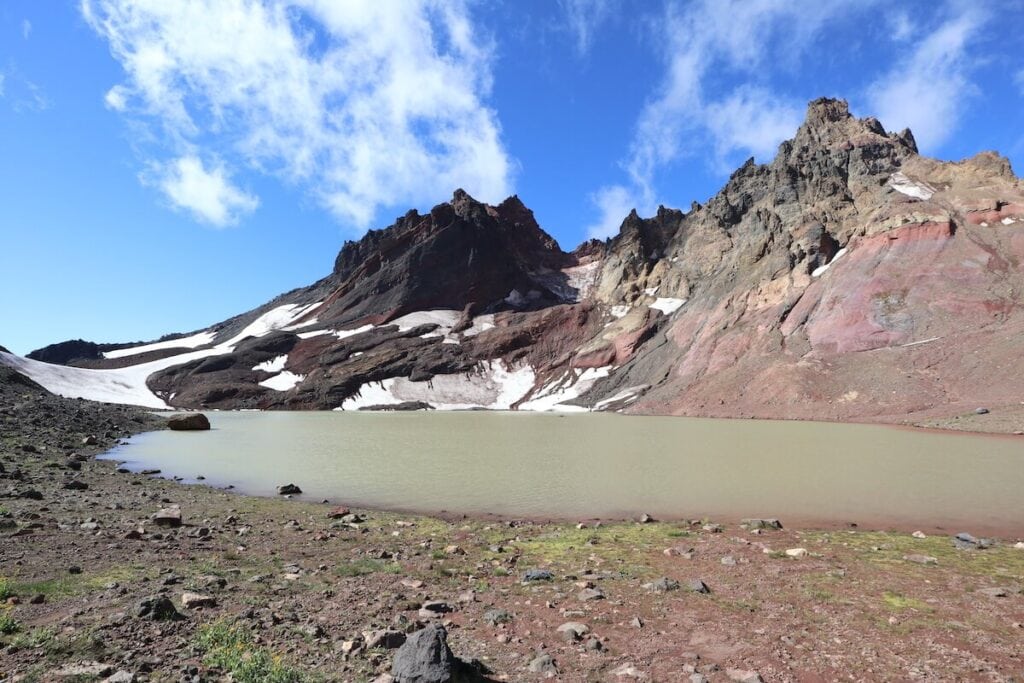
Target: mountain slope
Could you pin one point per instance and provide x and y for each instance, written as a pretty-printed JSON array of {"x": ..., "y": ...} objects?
[{"x": 851, "y": 278}]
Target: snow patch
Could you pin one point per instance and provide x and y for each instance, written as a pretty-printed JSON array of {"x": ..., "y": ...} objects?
[
  {"x": 282, "y": 382},
  {"x": 651, "y": 291},
  {"x": 492, "y": 386},
  {"x": 120, "y": 385},
  {"x": 582, "y": 278},
  {"x": 272, "y": 365},
  {"x": 191, "y": 342},
  {"x": 627, "y": 395},
  {"x": 345, "y": 334},
  {"x": 667, "y": 305},
  {"x": 620, "y": 311},
  {"x": 571, "y": 385},
  {"x": 444, "y": 318},
  {"x": 904, "y": 185},
  {"x": 274, "y": 319},
  {"x": 481, "y": 323},
  {"x": 314, "y": 333},
  {"x": 1008, "y": 221},
  {"x": 817, "y": 272}
]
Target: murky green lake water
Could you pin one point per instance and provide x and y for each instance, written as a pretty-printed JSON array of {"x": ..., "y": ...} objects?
[{"x": 607, "y": 466}]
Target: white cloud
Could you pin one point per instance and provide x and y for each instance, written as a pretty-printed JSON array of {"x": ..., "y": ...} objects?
[
  {"x": 927, "y": 91},
  {"x": 206, "y": 193},
  {"x": 584, "y": 17},
  {"x": 1018, "y": 78},
  {"x": 613, "y": 202},
  {"x": 363, "y": 103},
  {"x": 751, "y": 120},
  {"x": 116, "y": 98},
  {"x": 26, "y": 28},
  {"x": 701, "y": 42},
  {"x": 901, "y": 27}
]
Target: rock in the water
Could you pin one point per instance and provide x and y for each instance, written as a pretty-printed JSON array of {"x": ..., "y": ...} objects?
[
  {"x": 288, "y": 490},
  {"x": 158, "y": 608},
  {"x": 190, "y": 422}
]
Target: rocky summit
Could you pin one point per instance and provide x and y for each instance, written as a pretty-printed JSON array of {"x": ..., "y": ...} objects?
[{"x": 850, "y": 279}]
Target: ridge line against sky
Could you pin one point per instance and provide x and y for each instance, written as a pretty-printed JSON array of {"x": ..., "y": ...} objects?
[{"x": 308, "y": 121}]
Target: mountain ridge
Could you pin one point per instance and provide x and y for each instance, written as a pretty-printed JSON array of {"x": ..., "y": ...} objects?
[{"x": 767, "y": 300}]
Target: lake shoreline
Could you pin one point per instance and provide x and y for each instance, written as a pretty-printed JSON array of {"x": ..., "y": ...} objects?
[{"x": 80, "y": 561}]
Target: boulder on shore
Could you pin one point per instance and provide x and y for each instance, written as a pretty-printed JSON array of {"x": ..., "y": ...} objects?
[{"x": 190, "y": 422}]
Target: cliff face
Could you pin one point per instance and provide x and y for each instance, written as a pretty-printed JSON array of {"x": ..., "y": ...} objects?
[{"x": 850, "y": 278}]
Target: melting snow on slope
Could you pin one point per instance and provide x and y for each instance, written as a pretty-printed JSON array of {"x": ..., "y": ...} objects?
[
  {"x": 821, "y": 269},
  {"x": 582, "y": 278},
  {"x": 493, "y": 386},
  {"x": 667, "y": 305},
  {"x": 620, "y": 311},
  {"x": 121, "y": 385},
  {"x": 575, "y": 382},
  {"x": 274, "y": 319},
  {"x": 283, "y": 382},
  {"x": 191, "y": 342},
  {"x": 901, "y": 183},
  {"x": 272, "y": 365},
  {"x": 627, "y": 395},
  {"x": 345, "y": 334}
]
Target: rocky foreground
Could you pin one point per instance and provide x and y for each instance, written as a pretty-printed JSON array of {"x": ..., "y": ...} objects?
[{"x": 123, "y": 577}]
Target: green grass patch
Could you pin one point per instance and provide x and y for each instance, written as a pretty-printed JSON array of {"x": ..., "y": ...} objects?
[
  {"x": 232, "y": 649},
  {"x": 364, "y": 567},
  {"x": 889, "y": 549},
  {"x": 6, "y": 589},
  {"x": 36, "y": 638},
  {"x": 895, "y": 601},
  {"x": 8, "y": 624}
]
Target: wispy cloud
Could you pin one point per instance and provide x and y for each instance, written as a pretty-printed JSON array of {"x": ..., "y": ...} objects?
[
  {"x": 613, "y": 203},
  {"x": 584, "y": 17},
  {"x": 700, "y": 41},
  {"x": 206, "y": 193},
  {"x": 26, "y": 28},
  {"x": 1019, "y": 79},
  {"x": 363, "y": 103},
  {"x": 927, "y": 92}
]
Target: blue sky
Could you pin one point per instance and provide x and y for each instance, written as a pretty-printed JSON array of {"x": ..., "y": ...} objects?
[{"x": 164, "y": 165}]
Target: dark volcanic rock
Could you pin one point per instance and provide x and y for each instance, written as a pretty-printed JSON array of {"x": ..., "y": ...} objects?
[
  {"x": 188, "y": 422},
  {"x": 426, "y": 658}
]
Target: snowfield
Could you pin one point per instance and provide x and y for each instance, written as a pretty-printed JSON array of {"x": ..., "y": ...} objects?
[
  {"x": 199, "y": 339},
  {"x": 904, "y": 185}
]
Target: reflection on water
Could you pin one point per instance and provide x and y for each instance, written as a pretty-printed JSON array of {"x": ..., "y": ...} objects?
[{"x": 599, "y": 465}]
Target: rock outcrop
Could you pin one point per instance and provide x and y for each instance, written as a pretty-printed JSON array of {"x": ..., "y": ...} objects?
[{"x": 850, "y": 278}]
